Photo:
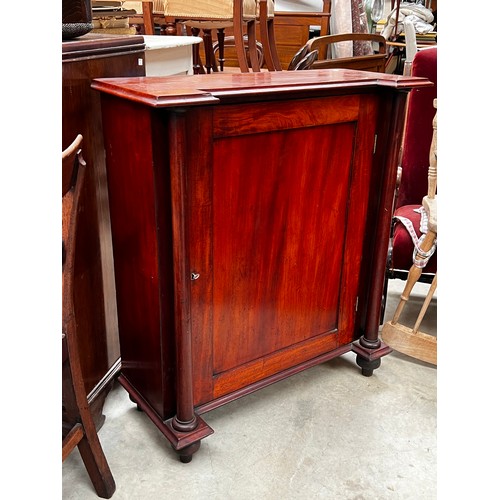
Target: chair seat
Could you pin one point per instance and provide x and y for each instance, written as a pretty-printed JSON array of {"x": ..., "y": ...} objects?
[
  {"x": 204, "y": 25},
  {"x": 402, "y": 250}
]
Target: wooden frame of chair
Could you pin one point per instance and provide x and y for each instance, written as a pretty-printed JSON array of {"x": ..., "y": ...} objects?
[
  {"x": 373, "y": 62},
  {"x": 80, "y": 428},
  {"x": 268, "y": 39},
  {"x": 412, "y": 341},
  {"x": 228, "y": 42}
]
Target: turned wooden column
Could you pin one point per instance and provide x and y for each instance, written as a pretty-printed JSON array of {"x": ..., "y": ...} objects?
[{"x": 369, "y": 348}]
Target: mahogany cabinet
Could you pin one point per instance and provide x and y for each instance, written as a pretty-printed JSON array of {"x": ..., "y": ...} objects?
[
  {"x": 250, "y": 217},
  {"x": 84, "y": 58}
]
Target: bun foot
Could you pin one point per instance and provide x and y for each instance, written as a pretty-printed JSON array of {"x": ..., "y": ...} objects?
[
  {"x": 138, "y": 408},
  {"x": 367, "y": 367},
  {"x": 186, "y": 454}
]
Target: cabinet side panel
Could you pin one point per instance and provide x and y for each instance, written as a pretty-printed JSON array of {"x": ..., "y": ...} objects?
[
  {"x": 128, "y": 134},
  {"x": 95, "y": 284}
]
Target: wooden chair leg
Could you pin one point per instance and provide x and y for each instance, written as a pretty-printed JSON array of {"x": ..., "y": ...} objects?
[
  {"x": 427, "y": 301},
  {"x": 272, "y": 44},
  {"x": 210, "y": 63},
  {"x": 197, "y": 66},
  {"x": 147, "y": 16},
  {"x": 252, "y": 46},
  {"x": 410, "y": 341},
  {"x": 95, "y": 462},
  {"x": 83, "y": 432},
  {"x": 268, "y": 39},
  {"x": 413, "y": 275},
  {"x": 220, "y": 39},
  {"x": 264, "y": 35},
  {"x": 239, "y": 43}
]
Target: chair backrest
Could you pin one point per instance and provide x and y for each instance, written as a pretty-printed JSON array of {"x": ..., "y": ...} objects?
[
  {"x": 372, "y": 62},
  {"x": 418, "y": 131}
]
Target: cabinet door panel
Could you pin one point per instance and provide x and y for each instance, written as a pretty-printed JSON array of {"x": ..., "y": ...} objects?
[{"x": 285, "y": 201}]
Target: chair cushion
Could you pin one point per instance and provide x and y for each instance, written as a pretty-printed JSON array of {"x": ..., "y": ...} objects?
[
  {"x": 207, "y": 9},
  {"x": 402, "y": 243},
  {"x": 160, "y": 7}
]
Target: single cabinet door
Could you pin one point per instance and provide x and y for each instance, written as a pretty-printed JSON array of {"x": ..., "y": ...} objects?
[{"x": 277, "y": 198}]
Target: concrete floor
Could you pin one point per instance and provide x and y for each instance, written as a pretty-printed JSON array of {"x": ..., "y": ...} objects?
[{"x": 326, "y": 433}]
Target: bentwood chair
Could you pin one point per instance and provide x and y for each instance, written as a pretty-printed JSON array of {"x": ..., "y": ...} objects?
[
  {"x": 209, "y": 15},
  {"x": 78, "y": 425},
  {"x": 370, "y": 62}
]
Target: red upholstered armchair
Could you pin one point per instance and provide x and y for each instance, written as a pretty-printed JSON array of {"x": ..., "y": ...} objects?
[{"x": 414, "y": 170}]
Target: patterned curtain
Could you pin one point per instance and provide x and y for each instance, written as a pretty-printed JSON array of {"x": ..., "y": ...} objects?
[{"x": 349, "y": 16}]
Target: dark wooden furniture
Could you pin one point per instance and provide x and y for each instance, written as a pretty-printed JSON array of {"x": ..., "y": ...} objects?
[
  {"x": 78, "y": 425},
  {"x": 83, "y": 59},
  {"x": 250, "y": 218}
]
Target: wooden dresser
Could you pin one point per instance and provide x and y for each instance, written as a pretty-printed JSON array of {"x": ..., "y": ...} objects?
[
  {"x": 250, "y": 218},
  {"x": 84, "y": 58}
]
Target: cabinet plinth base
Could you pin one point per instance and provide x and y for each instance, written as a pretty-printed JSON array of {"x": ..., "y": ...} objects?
[
  {"x": 369, "y": 359},
  {"x": 185, "y": 444}
]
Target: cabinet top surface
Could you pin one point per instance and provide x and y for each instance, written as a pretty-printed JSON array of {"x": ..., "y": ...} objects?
[{"x": 187, "y": 90}]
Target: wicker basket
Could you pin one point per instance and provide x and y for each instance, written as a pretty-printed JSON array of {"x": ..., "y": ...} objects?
[{"x": 76, "y": 18}]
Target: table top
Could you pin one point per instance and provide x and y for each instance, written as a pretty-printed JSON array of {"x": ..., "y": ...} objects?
[{"x": 168, "y": 41}]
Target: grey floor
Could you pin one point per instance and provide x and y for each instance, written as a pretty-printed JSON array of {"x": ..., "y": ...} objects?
[{"x": 327, "y": 433}]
